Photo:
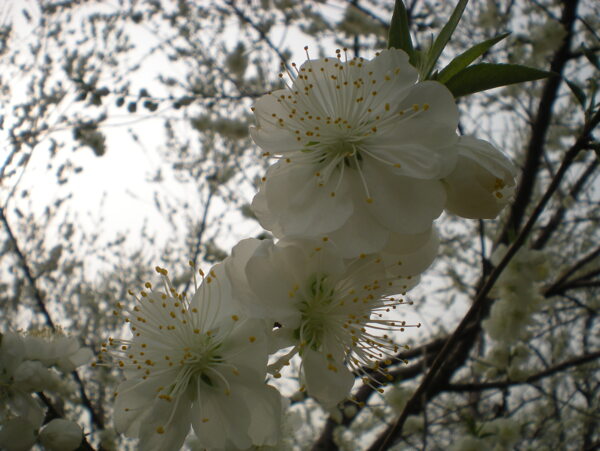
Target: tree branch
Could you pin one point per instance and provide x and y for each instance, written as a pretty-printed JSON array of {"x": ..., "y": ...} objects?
[
  {"x": 533, "y": 378},
  {"x": 540, "y": 126}
]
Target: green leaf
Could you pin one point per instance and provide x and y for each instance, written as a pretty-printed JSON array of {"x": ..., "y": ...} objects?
[
  {"x": 399, "y": 36},
  {"x": 591, "y": 57},
  {"x": 578, "y": 93},
  {"x": 442, "y": 39},
  {"x": 484, "y": 76},
  {"x": 466, "y": 58}
]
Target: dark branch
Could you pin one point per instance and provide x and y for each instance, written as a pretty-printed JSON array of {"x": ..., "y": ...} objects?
[
  {"x": 540, "y": 126},
  {"x": 533, "y": 378}
]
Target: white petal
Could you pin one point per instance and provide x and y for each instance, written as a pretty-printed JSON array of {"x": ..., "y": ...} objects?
[
  {"x": 167, "y": 425},
  {"x": 235, "y": 267},
  {"x": 403, "y": 204},
  {"x": 394, "y": 63},
  {"x": 300, "y": 206},
  {"x": 61, "y": 435},
  {"x": 326, "y": 385},
  {"x": 265, "y": 422},
  {"x": 272, "y": 283},
  {"x": 421, "y": 141},
  {"x": 17, "y": 434},
  {"x": 247, "y": 348},
  {"x": 266, "y": 217},
  {"x": 410, "y": 255},
  {"x": 217, "y": 418},
  {"x": 134, "y": 401},
  {"x": 361, "y": 233},
  {"x": 26, "y": 407}
]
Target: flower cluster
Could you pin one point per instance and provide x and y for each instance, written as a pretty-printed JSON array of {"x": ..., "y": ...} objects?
[
  {"x": 518, "y": 290},
  {"x": 365, "y": 153},
  {"x": 31, "y": 362},
  {"x": 367, "y": 159}
]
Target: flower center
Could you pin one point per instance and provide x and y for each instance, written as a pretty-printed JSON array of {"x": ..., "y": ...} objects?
[{"x": 316, "y": 309}]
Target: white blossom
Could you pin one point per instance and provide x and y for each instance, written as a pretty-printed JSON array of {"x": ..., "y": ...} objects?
[
  {"x": 54, "y": 348},
  {"x": 331, "y": 311},
  {"x": 519, "y": 294},
  {"x": 61, "y": 435},
  {"x": 361, "y": 147},
  {"x": 31, "y": 362},
  {"x": 197, "y": 362},
  {"x": 17, "y": 434}
]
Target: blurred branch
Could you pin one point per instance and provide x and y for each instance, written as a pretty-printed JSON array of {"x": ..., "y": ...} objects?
[
  {"x": 557, "y": 286},
  {"x": 559, "y": 214},
  {"x": 37, "y": 295},
  {"x": 540, "y": 126},
  {"x": 533, "y": 378},
  {"x": 198, "y": 250},
  {"x": 261, "y": 33},
  {"x": 369, "y": 13}
]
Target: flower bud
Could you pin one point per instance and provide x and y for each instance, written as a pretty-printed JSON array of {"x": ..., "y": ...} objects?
[{"x": 61, "y": 435}]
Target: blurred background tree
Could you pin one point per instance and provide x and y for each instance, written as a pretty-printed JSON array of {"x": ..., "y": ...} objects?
[{"x": 125, "y": 144}]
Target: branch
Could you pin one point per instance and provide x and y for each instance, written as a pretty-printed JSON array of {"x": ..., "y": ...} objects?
[
  {"x": 556, "y": 287},
  {"x": 261, "y": 33},
  {"x": 559, "y": 215},
  {"x": 37, "y": 295},
  {"x": 211, "y": 192},
  {"x": 533, "y": 378},
  {"x": 540, "y": 126}
]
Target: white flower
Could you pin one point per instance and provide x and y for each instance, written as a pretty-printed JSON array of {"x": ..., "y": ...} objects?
[
  {"x": 195, "y": 362},
  {"x": 17, "y": 434},
  {"x": 519, "y": 294},
  {"x": 361, "y": 151},
  {"x": 331, "y": 310},
  {"x": 32, "y": 376},
  {"x": 16, "y": 400},
  {"x": 61, "y": 435},
  {"x": 54, "y": 348},
  {"x": 482, "y": 182}
]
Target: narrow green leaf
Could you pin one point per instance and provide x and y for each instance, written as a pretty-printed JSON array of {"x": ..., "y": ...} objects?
[
  {"x": 484, "y": 76},
  {"x": 466, "y": 58},
  {"x": 591, "y": 57},
  {"x": 399, "y": 36},
  {"x": 578, "y": 93},
  {"x": 442, "y": 39}
]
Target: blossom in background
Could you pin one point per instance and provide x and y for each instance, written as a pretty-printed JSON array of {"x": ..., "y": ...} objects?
[
  {"x": 33, "y": 362},
  {"x": 332, "y": 311},
  {"x": 61, "y": 435},
  {"x": 482, "y": 182},
  {"x": 197, "y": 362},
  {"x": 519, "y": 291},
  {"x": 361, "y": 147}
]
